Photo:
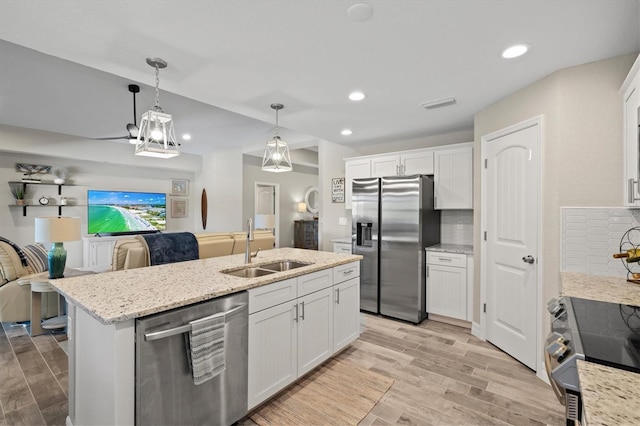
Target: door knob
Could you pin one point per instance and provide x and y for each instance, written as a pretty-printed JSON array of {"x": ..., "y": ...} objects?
[{"x": 528, "y": 259}]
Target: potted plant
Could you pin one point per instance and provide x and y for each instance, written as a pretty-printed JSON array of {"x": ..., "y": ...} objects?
[{"x": 18, "y": 193}]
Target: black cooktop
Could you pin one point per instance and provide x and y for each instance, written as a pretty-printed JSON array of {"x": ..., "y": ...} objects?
[{"x": 609, "y": 332}]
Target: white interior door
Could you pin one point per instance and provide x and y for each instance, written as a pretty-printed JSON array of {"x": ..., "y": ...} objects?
[
  {"x": 266, "y": 204},
  {"x": 511, "y": 215}
]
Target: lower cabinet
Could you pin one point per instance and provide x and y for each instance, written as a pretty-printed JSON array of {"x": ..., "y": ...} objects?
[
  {"x": 346, "y": 313},
  {"x": 295, "y": 328},
  {"x": 447, "y": 284}
]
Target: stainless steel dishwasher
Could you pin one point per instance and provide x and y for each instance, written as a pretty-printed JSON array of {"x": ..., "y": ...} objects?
[{"x": 165, "y": 390}]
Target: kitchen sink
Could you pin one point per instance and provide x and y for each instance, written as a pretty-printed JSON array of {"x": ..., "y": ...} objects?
[
  {"x": 284, "y": 265},
  {"x": 248, "y": 272}
]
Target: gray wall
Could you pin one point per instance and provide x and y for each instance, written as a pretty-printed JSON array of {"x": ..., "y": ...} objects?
[
  {"x": 581, "y": 152},
  {"x": 293, "y": 186}
]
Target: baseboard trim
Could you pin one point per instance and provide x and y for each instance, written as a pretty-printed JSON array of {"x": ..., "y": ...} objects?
[
  {"x": 449, "y": 320},
  {"x": 476, "y": 331}
]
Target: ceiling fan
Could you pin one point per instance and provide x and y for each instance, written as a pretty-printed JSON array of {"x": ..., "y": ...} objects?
[{"x": 132, "y": 128}]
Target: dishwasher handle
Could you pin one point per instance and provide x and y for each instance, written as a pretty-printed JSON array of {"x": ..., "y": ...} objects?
[{"x": 149, "y": 337}]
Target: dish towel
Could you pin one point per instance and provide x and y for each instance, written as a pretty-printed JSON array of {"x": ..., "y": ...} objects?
[{"x": 206, "y": 354}]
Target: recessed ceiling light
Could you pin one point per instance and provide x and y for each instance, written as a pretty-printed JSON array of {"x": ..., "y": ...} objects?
[
  {"x": 346, "y": 132},
  {"x": 515, "y": 51},
  {"x": 360, "y": 12},
  {"x": 186, "y": 137},
  {"x": 356, "y": 96}
]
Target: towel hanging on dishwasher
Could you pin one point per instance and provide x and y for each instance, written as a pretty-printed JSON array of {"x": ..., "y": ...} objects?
[{"x": 206, "y": 348}]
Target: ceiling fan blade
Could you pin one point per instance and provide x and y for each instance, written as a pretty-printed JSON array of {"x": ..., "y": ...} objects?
[{"x": 110, "y": 138}]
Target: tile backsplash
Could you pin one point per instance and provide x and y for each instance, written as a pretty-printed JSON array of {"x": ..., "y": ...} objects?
[
  {"x": 456, "y": 227},
  {"x": 590, "y": 236}
]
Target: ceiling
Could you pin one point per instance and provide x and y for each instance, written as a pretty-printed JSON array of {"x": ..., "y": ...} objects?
[{"x": 65, "y": 65}]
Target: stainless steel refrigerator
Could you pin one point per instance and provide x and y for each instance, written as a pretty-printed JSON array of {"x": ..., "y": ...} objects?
[{"x": 393, "y": 221}]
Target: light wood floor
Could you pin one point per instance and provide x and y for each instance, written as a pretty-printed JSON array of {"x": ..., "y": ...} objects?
[{"x": 442, "y": 374}]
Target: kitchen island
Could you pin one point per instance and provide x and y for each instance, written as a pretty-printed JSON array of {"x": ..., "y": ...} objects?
[
  {"x": 103, "y": 309},
  {"x": 609, "y": 395}
]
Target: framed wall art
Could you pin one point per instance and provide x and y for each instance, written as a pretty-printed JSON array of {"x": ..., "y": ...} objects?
[
  {"x": 337, "y": 190},
  {"x": 179, "y": 208},
  {"x": 180, "y": 187}
]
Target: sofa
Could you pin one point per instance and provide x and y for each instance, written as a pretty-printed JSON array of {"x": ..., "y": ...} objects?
[
  {"x": 129, "y": 253},
  {"x": 15, "y": 282}
]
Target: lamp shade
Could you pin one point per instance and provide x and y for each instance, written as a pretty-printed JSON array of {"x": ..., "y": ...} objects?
[
  {"x": 265, "y": 221},
  {"x": 302, "y": 207},
  {"x": 57, "y": 229}
]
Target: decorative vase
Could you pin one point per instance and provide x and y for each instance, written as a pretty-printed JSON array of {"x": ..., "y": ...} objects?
[
  {"x": 58, "y": 181},
  {"x": 19, "y": 202}
]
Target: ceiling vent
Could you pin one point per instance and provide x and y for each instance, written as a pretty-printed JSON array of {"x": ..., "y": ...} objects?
[{"x": 439, "y": 103}]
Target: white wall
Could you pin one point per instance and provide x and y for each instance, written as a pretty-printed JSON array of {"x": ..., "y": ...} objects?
[
  {"x": 293, "y": 186},
  {"x": 222, "y": 178},
  {"x": 330, "y": 158},
  {"x": 581, "y": 153},
  {"x": 417, "y": 143}
]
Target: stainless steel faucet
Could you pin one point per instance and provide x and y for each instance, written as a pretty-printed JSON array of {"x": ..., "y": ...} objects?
[{"x": 250, "y": 237}]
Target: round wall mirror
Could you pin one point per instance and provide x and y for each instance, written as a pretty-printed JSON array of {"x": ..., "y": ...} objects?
[{"x": 312, "y": 199}]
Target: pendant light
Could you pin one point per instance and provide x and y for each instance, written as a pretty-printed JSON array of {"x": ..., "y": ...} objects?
[
  {"x": 276, "y": 153},
  {"x": 157, "y": 137}
]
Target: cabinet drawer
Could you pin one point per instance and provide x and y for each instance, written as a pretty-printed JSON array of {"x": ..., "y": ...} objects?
[
  {"x": 314, "y": 281},
  {"x": 346, "y": 272},
  {"x": 447, "y": 259},
  {"x": 341, "y": 248},
  {"x": 270, "y": 295}
]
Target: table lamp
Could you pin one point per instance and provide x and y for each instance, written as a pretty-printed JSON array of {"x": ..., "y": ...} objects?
[{"x": 57, "y": 230}]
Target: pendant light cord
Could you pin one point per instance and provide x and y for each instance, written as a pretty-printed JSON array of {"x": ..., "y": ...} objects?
[{"x": 157, "y": 107}]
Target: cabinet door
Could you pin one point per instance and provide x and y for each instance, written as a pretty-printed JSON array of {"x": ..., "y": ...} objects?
[
  {"x": 631, "y": 160},
  {"x": 447, "y": 291},
  {"x": 100, "y": 253},
  {"x": 315, "y": 329},
  {"x": 453, "y": 178},
  {"x": 417, "y": 163},
  {"x": 385, "y": 166},
  {"x": 354, "y": 169},
  {"x": 346, "y": 313},
  {"x": 273, "y": 342}
]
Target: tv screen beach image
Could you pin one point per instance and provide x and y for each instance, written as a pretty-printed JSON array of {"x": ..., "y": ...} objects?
[{"x": 119, "y": 211}]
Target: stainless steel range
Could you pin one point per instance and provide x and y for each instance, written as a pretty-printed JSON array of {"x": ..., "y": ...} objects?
[{"x": 600, "y": 332}]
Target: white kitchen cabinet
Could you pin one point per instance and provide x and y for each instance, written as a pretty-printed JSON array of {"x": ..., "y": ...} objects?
[
  {"x": 447, "y": 284},
  {"x": 273, "y": 344},
  {"x": 353, "y": 169},
  {"x": 342, "y": 248},
  {"x": 346, "y": 313},
  {"x": 402, "y": 164},
  {"x": 292, "y": 327},
  {"x": 453, "y": 178},
  {"x": 631, "y": 111},
  {"x": 315, "y": 329},
  {"x": 417, "y": 163}
]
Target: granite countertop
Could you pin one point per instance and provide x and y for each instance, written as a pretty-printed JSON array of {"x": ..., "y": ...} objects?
[
  {"x": 606, "y": 289},
  {"x": 452, "y": 248},
  {"x": 610, "y": 396},
  {"x": 112, "y": 297}
]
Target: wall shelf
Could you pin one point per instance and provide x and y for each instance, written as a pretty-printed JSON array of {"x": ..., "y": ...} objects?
[{"x": 24, "y": 188}]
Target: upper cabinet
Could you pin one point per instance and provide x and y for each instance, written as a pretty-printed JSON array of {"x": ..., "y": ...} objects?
[
  {"x": 631, "y": 121},
  {"x": 453, "y": 178},
  {"x": 454, "y": 170},
  {"x": 412, "y": 163},
  {"x": 353, "y": 169}
]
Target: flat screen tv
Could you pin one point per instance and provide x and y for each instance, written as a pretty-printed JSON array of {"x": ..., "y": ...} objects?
[{"x": 125, "y": 212}]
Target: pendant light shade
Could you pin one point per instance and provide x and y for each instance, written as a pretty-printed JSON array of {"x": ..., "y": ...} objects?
[
  {"x": 276, "y": 153},
  {"x": 157, "y": 136}
]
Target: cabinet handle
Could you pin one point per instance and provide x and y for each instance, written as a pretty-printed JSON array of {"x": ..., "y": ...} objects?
[
  {"x": 295, "y": 316},
  {"x": 397, "y": 169},
  {"x": 630, "y": 195},
  {"x": 338, "y": 296},
  {"x": 350, "y": 271},
  {"x": 445, "y": 259},
  {"x": 302, "y": 314}
]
